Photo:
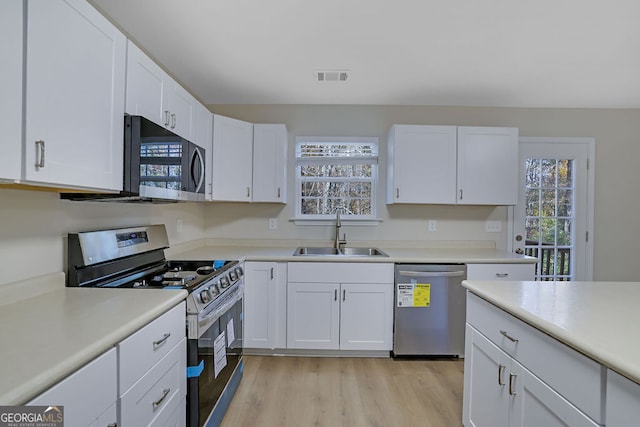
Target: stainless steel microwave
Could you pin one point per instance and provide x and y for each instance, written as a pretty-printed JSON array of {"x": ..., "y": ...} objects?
[{"x": 159, "y": 166}]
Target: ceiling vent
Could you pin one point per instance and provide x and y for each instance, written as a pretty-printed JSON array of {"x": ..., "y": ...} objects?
[{"x": 331, "y": 75}]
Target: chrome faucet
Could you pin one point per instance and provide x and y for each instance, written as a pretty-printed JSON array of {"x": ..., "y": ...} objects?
[{"x": 339, "y": 243}]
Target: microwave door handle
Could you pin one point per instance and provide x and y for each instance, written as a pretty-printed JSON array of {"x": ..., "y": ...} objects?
[
  {"x": 200, "y": 180},
  {"x": 431, "y": 273}
]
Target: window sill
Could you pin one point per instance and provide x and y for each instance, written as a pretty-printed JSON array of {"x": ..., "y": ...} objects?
[{"x": 344, "y": 221}]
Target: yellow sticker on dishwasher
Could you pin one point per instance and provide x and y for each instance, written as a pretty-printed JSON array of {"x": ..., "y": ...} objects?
[
  {"x": 422, "y": 295},
  {"x": 413, "y": 295}
]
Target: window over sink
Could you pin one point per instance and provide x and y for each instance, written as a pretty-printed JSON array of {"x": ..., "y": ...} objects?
[{"x": 336, "y": 174}]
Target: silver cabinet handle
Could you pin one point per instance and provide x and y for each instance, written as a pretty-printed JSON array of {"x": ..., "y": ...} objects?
[
  {"x": 173, "y": 120},
  {"x": 248, "y": 191},
  {"x": 158, "y": 402},
  {"x": 500, "y": 370},
  {"x": 397, "y": 193},
  {"x": 511, "y": 380},
  {"x": 112, "y": 425},
  {"x": 167, "y": 117},
  {"x": 344, "y": 295},
  {"x": 335, "y": 295},
  {"x": 431, "y": 273},
  {"x": 502, "y": 275},
  {"x": 161, "y": 341},
  {"x": 510, "y": 338},
  {"x": 460, "y": 194},
  {"x": 278, "y": 192},
  {"x": 271, "y": 273},
  {"x": 40, "y": 158}
]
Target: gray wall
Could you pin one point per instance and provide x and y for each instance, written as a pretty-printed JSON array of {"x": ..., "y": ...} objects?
[
  {"x": 617, "y": 177},
  {"x": 33, "y": 225}
]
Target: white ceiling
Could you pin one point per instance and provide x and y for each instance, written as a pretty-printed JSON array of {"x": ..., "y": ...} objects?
[{"x": 512, "y": 53}]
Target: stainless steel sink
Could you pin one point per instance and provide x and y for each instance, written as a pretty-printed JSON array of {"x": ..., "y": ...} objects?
[
  {"x": 315, "y": 251},
  {"x": 362, "y": 252},
  {"x": 344, "y": 252}
]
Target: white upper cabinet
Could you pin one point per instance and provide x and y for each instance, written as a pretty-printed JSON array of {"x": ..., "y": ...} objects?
[
  {"x": 269, "y": 163},
  {"x": 487, "y": 166},
  {"x": 11, "y": 29},
  {"x": 145, "y": 85},
  {"x": 152, "y": 93},
  {"x": 422, "y": 164},
  {"x": 231, "y": 160},
  {"x": 452, "y": 165},
  {"x": 75, "y": 88}
]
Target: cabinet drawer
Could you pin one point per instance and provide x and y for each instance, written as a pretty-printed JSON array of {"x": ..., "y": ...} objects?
[
  {"x": 576, "y": 377},
  {"x": 158, "y": 393},
  {"x": 82, "y": 407},
  {"x": 501, "y": 271},
  {"x": 340, "y": 272},
  {"x": 142, "y": 350}
]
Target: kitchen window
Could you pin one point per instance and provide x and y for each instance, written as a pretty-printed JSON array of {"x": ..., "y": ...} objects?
[{"x": 336, "y": 174}]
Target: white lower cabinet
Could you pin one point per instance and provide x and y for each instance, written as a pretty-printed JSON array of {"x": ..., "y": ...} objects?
[
  {"x": 499, "y": 391},
  {"x": 623, "y": 401},
  {"x": 501, "y": 271},
  {"x": 514, "y": 375},
  {"x": 88, "y": 395},
  {"x": 340, "y": 306},
  {"x": 152, "y": 367},
  {"x": 265, "y": 305}
]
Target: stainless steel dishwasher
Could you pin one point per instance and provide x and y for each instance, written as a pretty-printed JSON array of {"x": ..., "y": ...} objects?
[{"x": 430, "y": 310}]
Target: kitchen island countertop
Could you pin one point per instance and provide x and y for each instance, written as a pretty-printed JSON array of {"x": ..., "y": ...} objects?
[
  {"x": 48, "y": 331},
  {"x": 597, "y": 319}
]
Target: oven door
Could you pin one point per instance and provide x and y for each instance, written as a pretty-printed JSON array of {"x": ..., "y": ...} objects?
[{"x": 215, "y": 365}]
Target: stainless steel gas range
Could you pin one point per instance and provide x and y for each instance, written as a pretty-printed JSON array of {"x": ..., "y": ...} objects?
[{"x": 134, "y": 258}]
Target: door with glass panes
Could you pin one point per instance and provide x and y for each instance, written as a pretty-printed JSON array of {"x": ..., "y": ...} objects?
[{"x": 552, "y": 220}]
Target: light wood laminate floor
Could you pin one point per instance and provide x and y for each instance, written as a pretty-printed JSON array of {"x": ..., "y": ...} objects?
[{"x": 315, "y": 391}]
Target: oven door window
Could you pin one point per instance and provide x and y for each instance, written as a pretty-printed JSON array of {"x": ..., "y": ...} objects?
[{"x": 220, "y": 348}]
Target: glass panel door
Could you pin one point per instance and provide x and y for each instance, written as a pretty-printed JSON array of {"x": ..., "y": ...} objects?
[{"x": 552, "y": 218}]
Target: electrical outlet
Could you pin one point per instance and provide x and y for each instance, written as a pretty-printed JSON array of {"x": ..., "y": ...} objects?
[
  {"x": 493, "y": 226},
  {"x": 273, "y": 223},
  {"x": 179, "y": 226},
  {"x": 433, "y": 225}
]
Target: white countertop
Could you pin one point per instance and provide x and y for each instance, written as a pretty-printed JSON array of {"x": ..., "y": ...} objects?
[
  {"x": 396, "y": 255},
  {"x": 53, "y": 330},
  {"x": 597, "y": 319}
]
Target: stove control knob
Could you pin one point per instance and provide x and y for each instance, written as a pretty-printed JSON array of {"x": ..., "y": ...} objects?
[
  {"x": 224, "y": 282},
  {"x": 205, "y": 296},
  {"x": 233, "y": 275},
  {"x": 239, "y": 271}
]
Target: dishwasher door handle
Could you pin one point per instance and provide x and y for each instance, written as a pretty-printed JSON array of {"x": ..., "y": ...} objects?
[{"x": 431, "y": 273}]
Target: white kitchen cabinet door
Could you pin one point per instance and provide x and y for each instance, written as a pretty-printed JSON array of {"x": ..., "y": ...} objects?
[
  {"x": 501, "y": 271},
  {"x": 152, "y": 93},
  {"x": 270, "y": 163},
  {"x": 313, "y": 316},
  {"x": 534, "y": 403},
  {"x": 75, "y": 87},
  {"x": 486, "y": 382},
  {"x": 366, "y": 316},
  {"x": 88, "y": 395},
  {"x": 232, "y": 160},
  {"x": 181, "y": 106},
  {"x": 265, "y": 305},
  {"x": 422, "y": 164},
  {"x": 622, "y": 402},
  {"x": 145, "y": 86},
  {"x": 487, "y": 165},
  {"x": 11, "y": 74}
]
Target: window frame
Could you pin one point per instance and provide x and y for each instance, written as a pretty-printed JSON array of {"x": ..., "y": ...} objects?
[{"x": 372, "y": 218}]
